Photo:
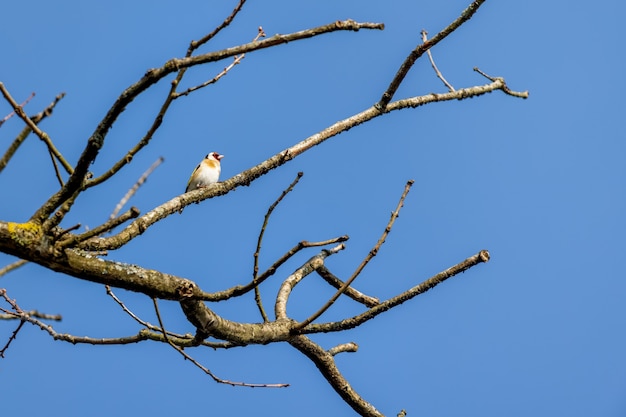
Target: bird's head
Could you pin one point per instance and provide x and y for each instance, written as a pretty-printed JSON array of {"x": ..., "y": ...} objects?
[{"x": 214, "y": 156}]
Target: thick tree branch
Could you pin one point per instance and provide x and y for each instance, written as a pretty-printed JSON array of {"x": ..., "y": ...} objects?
[
  {"x": 210, "y": 324},
  {"x": 325, "y": 362}
]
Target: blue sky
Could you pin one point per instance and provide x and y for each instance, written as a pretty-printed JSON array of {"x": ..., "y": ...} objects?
[{"x": 539, "y": 183}]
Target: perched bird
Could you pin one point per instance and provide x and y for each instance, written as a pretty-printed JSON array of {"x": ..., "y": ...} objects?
[{"x": 207, "y": 172}]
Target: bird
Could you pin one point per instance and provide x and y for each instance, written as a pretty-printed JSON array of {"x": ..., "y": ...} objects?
[{"x": 207, "y": 172}]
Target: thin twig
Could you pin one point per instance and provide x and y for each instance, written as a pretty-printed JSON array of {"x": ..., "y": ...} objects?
[
  {"x": 186, "y": 340},
  {"x": 11, "y": 338},
  {"x": 370, "y": 255},
  {"x": 432, "y": 63},
  {"x": 135, "y": 187},
  {"x": 345, "y": 347},
  {"x": 56, "y": 168},
  {"x": 12, "y": 303},
  {"x": 12, "y": 266},
  {"x": 236, "y": 60},
  {"x": 213, "y": 80},
  {"x": 26, "y": 131},
  {"x": 132, "y": 213},
  {"x": 243, "y": 289},
  {"x": 202, "y": 367},
  {"x": 64, "y": 232},
  {"x": 505, "y": 88},
  {"x": 123, "y": 306},
  {"x": 32, "y": 313},
  {"x": 350, "y": 292},
  {"x": 25, "y": 102},
  {"x": 18, "y": 311},
  {"x": 59, "y": 215},
  {"x": 196, "y": 44},
  {"x": 257, "y": 293},
  {"x": 33, "y": 126}
]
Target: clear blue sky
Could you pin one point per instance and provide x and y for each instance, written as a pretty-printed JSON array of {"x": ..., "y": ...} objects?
[{"x": 537, "y": 331}]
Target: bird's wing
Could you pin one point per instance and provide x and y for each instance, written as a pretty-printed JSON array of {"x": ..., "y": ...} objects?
[{"x": 191, "y": 177}]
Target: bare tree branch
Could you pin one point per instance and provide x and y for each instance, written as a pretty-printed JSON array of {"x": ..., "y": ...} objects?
[
  {"x": 507, "y": 90},
  {"x": 255, "y": 271},
  {"x": 21, "y": 105},
  {"x": 11, "y": 338},
  {"x": 196, "y": 44},
  {"x": 345, "y": 347},
  {"x": 350, "y": 323},
  {"x": 44, "y": 241},
  {"x": 12, "y": 266},
  {"x": 33, "y": 313},
  {"x": 350, "y": 292},
  {"x": 432, "y": 63},
  {"x": 135, "y": 187},
  {"x": 225, "y": 71},
  {"x": 243, "y": 289},
  {"x": 26, "y": 131},
  {"x": 419, "y": 51},
  {"x": 33, "y": 126},
  {"x": 325, "y": 362},
  {"x": 280, "y": 307},
  {"x": 132, "y": 213},
  {"x": 202, "y": 367},
  {"x": 370, "y": 255}
]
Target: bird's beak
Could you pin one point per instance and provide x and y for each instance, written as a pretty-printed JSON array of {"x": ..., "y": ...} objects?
[{"x": 220, "y": 157}]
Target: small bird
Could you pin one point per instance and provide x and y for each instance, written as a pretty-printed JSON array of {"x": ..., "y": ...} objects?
[{"x": 207, "y": 172}]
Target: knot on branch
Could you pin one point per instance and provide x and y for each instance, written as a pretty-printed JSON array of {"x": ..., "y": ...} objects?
[
  {"x": 185, "y": 289},
  {"x": 349, "y": 23}
]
